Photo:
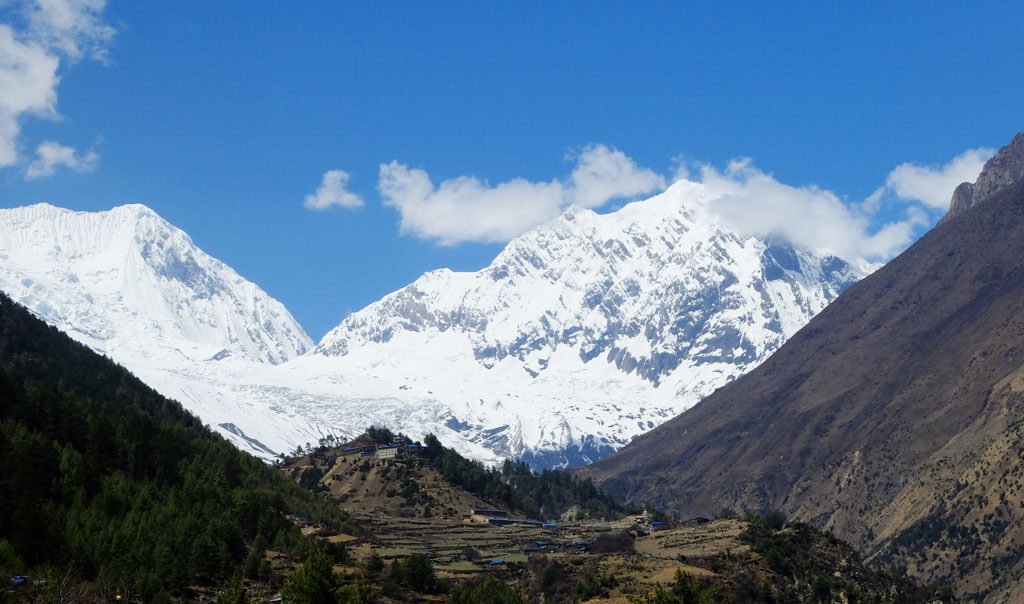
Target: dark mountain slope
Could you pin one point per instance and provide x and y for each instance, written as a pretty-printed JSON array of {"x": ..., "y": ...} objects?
[
  {"x": 877, "y": 412},
  {"x": 102, "y": 477}
]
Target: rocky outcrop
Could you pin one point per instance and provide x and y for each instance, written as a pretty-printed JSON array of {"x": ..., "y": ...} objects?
[
  {"x": 1004, "y": 169},
  {"x": 963, "y": 196}
]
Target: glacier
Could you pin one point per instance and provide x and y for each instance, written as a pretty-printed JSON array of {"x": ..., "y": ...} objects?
[{"x": 580, "y": 335}]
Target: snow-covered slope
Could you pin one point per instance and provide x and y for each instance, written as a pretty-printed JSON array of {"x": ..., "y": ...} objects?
[
  {"x": 133, "y": 287},
  {"x": 580, "y": 335}
]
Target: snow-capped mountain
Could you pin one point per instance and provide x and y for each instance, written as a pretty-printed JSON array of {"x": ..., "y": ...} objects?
[
  {"x": 587, "y": 331},
  {"x": 580, "y": 335},
  {"x": 126, "y": 278},
  {"x": 131, "y": 286}
]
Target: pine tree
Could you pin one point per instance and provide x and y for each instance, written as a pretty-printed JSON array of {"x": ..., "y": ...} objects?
[{"x": 314, "y": 583}]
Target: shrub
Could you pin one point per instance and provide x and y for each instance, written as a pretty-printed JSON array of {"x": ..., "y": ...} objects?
[
  {"x": 415, "y": 572},
  {"x": 359, "y": 591},
  {"x": 490, "y": 590},
  {"x": 685, "y": 589}
]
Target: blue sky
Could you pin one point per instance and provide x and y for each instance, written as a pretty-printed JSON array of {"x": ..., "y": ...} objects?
[{"x": 224, "y": 116}]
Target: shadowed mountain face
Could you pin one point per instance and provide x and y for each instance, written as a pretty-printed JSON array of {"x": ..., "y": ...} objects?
[{"x": 894, "y": 418}]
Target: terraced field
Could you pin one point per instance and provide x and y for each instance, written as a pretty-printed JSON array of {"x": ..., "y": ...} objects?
[
  {"x": 459, "y": 548},
  {"x": 408, "y": 507}
]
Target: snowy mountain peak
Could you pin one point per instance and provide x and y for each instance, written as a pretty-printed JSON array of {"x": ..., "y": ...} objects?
[
  {"x": 126, "y": 279},
  {"x": 588, "y": 330},
  {"x": 640, "y": 286}
]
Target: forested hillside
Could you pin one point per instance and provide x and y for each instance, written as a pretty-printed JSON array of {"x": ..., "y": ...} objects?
[{"x": 105, "y": 481}]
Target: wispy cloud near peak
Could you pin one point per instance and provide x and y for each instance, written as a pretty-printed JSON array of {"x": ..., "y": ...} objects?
[
  {"x": 468, "y": 209},
  {"x": 933, "y": 185},
  {"x": 50, "y": 155}
]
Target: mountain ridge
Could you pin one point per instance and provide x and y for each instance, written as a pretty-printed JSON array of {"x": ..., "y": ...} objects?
[{"x": 580, "y": 335}]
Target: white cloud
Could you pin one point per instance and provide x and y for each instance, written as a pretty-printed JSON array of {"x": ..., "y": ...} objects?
[
  {"x": 28, "y": 85},
  {"x": 57, "y": 31},
  {"x": 466, "y": 208},
  {"x": 755, "y": 203},
  {"x": 333, "y": 191},
  {"x": 50, "y": 155},
  {"x": 933, "y": 186},
  {"x": 469, "y": 209},
  {"x": 602, "y": 174},
  {"x": 73, "y": 28},
  {"x": 745, "y": 199}
]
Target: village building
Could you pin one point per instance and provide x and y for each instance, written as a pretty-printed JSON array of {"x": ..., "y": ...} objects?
[{"x": 482, "y": 515}]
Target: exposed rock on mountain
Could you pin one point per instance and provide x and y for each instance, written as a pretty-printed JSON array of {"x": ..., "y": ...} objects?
[
  {"x": 1002, "y": 170},
  {"x": 963, "y": 195}
]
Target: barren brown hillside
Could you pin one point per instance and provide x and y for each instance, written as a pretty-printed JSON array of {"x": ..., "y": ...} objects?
[{"x": 893, "y": 418}]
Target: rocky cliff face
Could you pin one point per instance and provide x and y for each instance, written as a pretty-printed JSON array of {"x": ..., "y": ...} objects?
[
  {"x": 1004, "y": 169},
  {"x": 963, "y": 195}
]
